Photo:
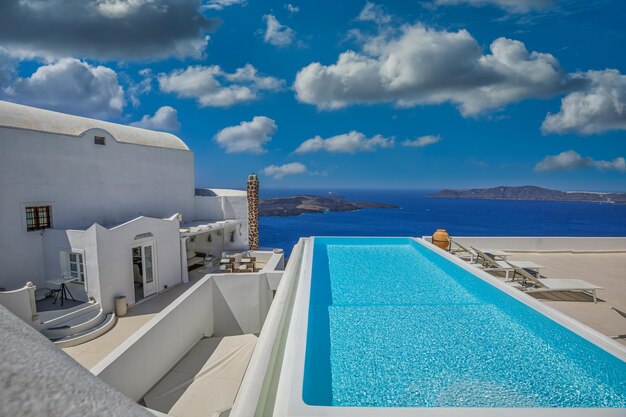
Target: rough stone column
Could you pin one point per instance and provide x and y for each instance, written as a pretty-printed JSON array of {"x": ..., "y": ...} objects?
[{"x": 253, "y": 211}]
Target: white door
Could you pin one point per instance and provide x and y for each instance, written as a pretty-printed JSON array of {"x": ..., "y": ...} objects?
[{"x": 147, "y": 254}]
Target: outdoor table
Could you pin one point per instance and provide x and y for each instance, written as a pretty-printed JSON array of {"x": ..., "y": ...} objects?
[{"x": 63, "y": 291}]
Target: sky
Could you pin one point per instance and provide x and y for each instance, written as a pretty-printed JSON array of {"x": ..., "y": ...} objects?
[{"x": 342, "y": 94}]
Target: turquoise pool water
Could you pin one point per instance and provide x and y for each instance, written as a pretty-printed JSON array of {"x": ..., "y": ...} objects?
[{"x": 393, "y": 324}]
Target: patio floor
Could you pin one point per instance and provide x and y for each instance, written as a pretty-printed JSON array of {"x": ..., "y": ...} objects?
[
  {"x": 90, "y": 353},
  {"x": 607, "y": 270}
]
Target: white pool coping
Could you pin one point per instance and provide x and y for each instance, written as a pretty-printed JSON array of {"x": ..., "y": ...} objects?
[{"x": 289, "y": 400}]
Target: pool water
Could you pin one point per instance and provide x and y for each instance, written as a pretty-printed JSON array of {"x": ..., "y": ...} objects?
[{"x": 393, "y": 324}]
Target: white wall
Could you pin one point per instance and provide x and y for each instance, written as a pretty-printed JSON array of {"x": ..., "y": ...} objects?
[
  {"x": 217, "y": 305},
  {"x": 39, "y": 380},
  {"x": 85, "y": 184},
  {"x": 21, "y": 303},
  {"x": 142, "y": 360},
  {"x": 114, "y": 257}
]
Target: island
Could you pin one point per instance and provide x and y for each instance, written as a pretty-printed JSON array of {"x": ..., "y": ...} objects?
[
  {"x": 531, "y": 193},
  {"x": 300, "y": 204}
]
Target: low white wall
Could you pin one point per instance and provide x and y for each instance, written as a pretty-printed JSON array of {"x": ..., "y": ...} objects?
[
  {"x": 217, "y": 305},
  {"x": 143, "y": 359},
  {"x": 545, "y": 244},
  {"x": 257, "y": 392},
  {"x": 39, "y": 380},
  {"x": 21, "y": 303}
]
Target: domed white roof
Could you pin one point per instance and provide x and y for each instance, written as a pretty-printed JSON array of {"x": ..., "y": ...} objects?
[{"x": 31, "y": 118}]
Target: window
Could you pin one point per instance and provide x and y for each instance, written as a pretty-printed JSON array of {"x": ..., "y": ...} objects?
[
  {"x": 99, "y": 140},
  {"x": 76, "y": 266},
  {"x": 38, "y": 218}
]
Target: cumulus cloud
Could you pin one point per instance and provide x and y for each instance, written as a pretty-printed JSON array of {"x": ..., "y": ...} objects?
[
  {"x": 291, "y": 8},
  {"x": 422, "y": 141},
  {"x": 8, "y": 66},
  {"x": 421, "y": 65},
  {"x": 572, "y": 160},
  {"x": 212, "y": 87},
  {"x": 279, "y": 171},
  {"x": 277, "y": 34},
  {"x": 165, "y": 118},
  {"x": 247, "y": 137},
  {"x": 598, "y": 108},
  {"x": 351, "y": 142},
  {"x": 222, "y": 4},
  {"x": 104, "y": 29},
  {"x": 373, "y": 12},
  {"x": 514, "y": 6},
  {"x": 70, "y": 86}
]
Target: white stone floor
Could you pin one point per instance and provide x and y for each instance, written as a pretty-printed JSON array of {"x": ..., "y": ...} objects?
[{"x": 607, "y": 270}]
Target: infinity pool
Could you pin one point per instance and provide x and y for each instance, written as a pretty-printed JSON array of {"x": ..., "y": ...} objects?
[{"x": 391, "y": 323}]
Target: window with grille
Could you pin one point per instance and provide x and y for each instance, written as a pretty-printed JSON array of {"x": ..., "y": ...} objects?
[
  {"x": 38, "y": 218},
  {"x": 99, "y": 140}
]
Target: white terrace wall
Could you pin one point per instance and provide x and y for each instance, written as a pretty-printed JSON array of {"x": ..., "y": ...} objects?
[
  {"x": 85, "y": 184},
  {"x": 217, "y": 305},
  {"x": 135, "y": 366},
  {"x": 548, "y": 244}
]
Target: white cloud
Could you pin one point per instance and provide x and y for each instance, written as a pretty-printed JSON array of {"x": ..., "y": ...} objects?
[
  {"x": 222, "y": 4},
  {"x": 598, "y": 108},
  {"x": 212, "y": 87},
  {"x": 165, "y": 118},
  {"x": 291, "y": 8},
  {"x": 421, "y": 65},
  {"x": 279, "y": 171},
  {"x": 104, "y": 29},
  {"x": 572, "y": 160},
  {"x": 514, "y": 6},
  {"x": 373, "y": 12},
  {"x": 248, "y": 137},
  {"x": 70, "y": 86},
  {"x": 277, "y": 34},
  {"x": 351, "y": 142},
  {"x": 136, "y": 89},
  {"x": 422, "y": 141}
]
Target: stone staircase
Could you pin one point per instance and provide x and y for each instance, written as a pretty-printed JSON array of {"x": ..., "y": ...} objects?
[{"x": 78, "y": 325}]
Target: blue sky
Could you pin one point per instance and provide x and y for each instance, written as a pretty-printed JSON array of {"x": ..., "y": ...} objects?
[{"x": 338, "y": 94}]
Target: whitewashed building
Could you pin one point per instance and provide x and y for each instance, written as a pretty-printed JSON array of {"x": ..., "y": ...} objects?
[{"x": 105, "y": 204}]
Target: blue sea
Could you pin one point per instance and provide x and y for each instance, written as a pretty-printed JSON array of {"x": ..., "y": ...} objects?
[{"x": 421, "y": 216}]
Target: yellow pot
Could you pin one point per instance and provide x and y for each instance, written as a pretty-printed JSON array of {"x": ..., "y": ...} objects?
[{"x": 440, "y": 238}]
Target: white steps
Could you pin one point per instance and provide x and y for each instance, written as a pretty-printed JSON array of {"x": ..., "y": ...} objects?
[
  {"x": 56, "y": 318},
  {"x": 77, "y": 325},
  {"x": 91, "y": 333}
]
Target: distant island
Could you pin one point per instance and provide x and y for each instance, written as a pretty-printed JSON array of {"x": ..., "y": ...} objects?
[
  {"x": 300, "y": 204},
  {"x": 531, "y": 193}
]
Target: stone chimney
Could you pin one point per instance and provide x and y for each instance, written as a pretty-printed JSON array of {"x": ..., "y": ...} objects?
[{"x": 253, "y": 211}]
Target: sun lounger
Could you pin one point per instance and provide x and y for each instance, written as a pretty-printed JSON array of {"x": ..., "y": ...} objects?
[
  {"x": 461, "y": 251},
  {"x": 559, "y": 284},
  {"x": 491, "y": 265}
]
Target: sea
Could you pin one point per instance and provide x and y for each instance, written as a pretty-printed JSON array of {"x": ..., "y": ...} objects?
[{"x": 421, "y": 216}]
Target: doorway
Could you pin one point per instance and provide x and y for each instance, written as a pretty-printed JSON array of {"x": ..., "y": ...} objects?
[{"x": 143, "y": 270}]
